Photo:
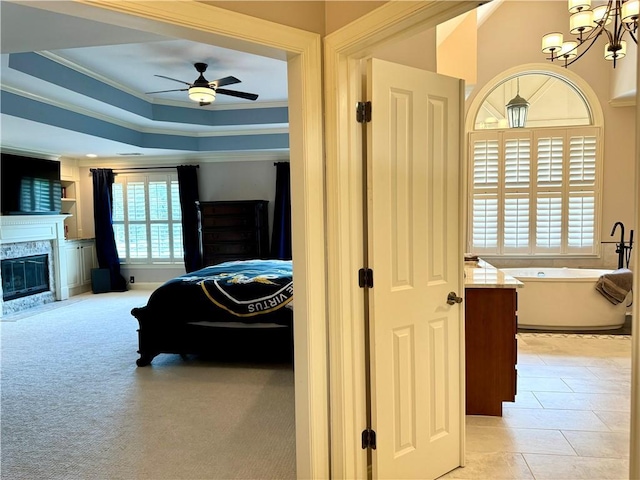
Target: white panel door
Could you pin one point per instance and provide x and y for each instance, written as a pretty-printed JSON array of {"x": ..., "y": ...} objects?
[{"x": 414, "y": 141}]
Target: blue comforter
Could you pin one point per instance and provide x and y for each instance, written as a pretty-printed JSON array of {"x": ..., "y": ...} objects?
[{"x": 247, "y": 291}]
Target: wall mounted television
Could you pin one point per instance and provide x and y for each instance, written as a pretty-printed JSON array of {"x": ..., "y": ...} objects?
[{"x": 30, "y": 186}]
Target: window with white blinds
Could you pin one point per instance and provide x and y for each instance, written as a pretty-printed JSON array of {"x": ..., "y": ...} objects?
[
  {"x": 147, "y": 218},
  {"x": 534, "y": 192}
]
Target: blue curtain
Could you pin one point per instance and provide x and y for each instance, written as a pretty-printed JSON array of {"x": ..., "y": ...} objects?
[
  {"x": 281, "y": 236},
  {"x": 106, "y": 250},
  {"x": 188, "y": 186}
]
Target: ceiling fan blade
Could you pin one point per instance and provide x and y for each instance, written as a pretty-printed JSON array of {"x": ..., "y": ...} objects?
[
  {"x": 221, "y": 82},
  {"x": 174, "y": 79},
  {"x": 165, "y": 91},
  {"x": 233, "y": 93}
]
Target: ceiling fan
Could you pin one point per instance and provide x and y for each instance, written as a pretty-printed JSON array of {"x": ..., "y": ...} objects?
[{"x": 204, "y": 91}]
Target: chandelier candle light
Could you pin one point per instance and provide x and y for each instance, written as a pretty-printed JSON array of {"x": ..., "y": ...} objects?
[{"x": 614, "y": 18}]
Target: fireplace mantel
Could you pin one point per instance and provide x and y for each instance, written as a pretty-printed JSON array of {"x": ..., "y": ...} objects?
[{"x": 31, "y": 228}]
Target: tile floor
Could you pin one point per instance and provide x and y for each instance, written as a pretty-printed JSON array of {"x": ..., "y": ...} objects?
[{"x": 571, "y": 417}]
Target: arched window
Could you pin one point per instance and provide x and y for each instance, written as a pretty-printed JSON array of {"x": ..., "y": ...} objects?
[{"x": 534, "y": 190}]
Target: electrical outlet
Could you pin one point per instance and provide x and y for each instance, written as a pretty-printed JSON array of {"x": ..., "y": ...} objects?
[{"x": 132, "y": 279}]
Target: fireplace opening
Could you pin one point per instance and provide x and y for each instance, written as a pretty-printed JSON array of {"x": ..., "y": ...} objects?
[{"x": 24, "y": 276}]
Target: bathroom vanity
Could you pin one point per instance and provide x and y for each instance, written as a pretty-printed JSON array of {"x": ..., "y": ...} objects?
[{"x": 491, "y": 304}]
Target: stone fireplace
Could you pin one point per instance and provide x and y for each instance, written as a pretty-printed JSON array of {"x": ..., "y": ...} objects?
[
  {"x": 33, "y": 261},
  {"x": 24, "y": 276}
]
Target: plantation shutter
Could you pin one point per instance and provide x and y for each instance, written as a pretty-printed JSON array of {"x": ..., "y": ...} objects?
[
  {"x": 484, "y": 208},
  {"x": 176, "y": 216},
  {"x": 159, "y": 217},
  {"x": 549, "y": 188},
  {"x": 118, "y": 218},
  {"x": 548, "y": 223},
  {"x": 147, "y": 218},
  {"x": 582, "y": 194},
  {"x": 534, "y": 192},
  {"x": 137, "y": 241},
  {"x": 517, "y": 173}
]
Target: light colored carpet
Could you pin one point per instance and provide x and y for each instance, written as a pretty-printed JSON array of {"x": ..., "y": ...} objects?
[{"x": 75, "y": 406}]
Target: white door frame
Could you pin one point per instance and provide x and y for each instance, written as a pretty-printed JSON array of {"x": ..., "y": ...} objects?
[
  {"x": 343, "y": 88},
  {"x": 206, "y": 24},
  {"x": 634, "y": 460}
]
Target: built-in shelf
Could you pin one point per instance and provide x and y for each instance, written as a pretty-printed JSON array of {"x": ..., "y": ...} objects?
[{"x": 70, "y": 207}]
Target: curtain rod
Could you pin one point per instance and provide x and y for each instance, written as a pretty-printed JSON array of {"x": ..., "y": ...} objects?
[{"x": 143, "y": 168}]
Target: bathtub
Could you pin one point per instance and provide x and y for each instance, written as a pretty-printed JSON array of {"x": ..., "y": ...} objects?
[{"x": 564, "y": 299}]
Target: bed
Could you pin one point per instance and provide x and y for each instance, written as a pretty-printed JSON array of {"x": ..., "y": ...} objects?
[{"x": 233, "y": 307}]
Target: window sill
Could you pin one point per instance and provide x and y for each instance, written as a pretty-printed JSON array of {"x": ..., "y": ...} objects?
[
  {"x": 541, "y": 257},
  {"x": 152, "y": 266}
]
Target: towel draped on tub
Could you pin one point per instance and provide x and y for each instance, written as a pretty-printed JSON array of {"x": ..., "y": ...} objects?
[{"x": 616, "y": 285}]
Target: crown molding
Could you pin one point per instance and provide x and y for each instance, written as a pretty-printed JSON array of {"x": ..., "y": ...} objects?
[
  {"x": 626, "y": 102},
  {"x": 187, "y": 158},
  {"x": 30, "y": 153}
]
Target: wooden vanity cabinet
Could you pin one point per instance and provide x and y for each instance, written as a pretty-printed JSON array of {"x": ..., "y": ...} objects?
[{"x": 491, "y": 349}]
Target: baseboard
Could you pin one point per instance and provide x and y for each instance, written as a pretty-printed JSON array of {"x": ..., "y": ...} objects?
[
  {"x": 80, "y": 289},
  {"x": 144, "y": 285}
]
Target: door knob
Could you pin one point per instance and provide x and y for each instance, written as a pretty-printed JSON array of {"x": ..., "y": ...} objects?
[{"x": 452, "y": 298}]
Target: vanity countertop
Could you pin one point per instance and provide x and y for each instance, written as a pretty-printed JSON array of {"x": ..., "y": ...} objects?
[{"x": 481, "y": 274}]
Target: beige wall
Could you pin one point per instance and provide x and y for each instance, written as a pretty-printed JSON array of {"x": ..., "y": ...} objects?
[
  {"x": 305, "y": 15},
  {"x": 623, "y": 77},
  {"x": 504, "y": 43},
  {"x": 418, "y": 51},
  {"x": 458, "y": 50},
  {"x": 340, "y": 13},
  {"x": 321, "y": 17}
]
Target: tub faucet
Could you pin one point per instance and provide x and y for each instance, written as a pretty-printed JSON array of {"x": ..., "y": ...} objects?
[{"x": 623, "y": 250}]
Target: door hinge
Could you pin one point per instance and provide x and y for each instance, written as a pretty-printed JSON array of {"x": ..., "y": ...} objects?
[
  {"x": 369, "y": 439},
  {"x": 363, "y": 112},
  {"x": 365, "y": 278}
]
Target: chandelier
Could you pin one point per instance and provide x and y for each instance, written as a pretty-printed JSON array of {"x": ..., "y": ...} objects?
[{"x": 614, "y": 19}]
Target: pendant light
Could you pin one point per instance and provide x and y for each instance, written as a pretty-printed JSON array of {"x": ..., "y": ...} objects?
[{"x": 517, "y": 109}]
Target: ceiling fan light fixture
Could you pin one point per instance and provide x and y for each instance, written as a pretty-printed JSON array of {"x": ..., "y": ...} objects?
[{"x": 202, "y": 94}]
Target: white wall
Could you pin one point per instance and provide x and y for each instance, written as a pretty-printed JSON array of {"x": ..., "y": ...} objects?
[
  {"x": 238, "y": 181},
  {"x": 233, "y": 180}
]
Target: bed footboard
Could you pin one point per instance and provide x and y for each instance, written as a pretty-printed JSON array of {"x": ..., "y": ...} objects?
[{"x": 157, "y": 334}]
